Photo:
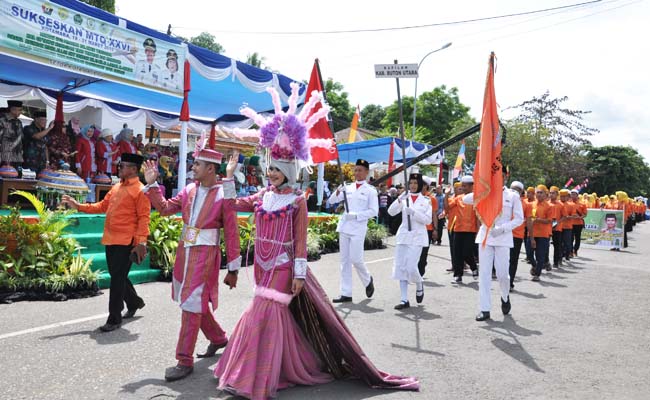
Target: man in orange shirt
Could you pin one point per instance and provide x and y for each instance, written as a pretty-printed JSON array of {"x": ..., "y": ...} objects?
[
  {"x": 558, "y": 215},
  {"x": 529, "y": 200},
  {"x": 125, "y": 236},
  {"x": 570, "y": 214},
  {"x": 539, "y": 228},
  {"x": 465, "y": 230},
  {"x": 432, "y": 228},
  {"x": 452, "y": 217},
  {"x": 518, "y": 233},
  {"x": 579, "y": 222}
]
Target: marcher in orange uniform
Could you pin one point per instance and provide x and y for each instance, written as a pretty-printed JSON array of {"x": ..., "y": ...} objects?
[
  {"x": 452, "y": 217},
  {"x": 558, "y": 214},
  {"x": 529, "y": 200},
  {"x": 567, "y": 224},
  {"x": 465, "y": 230},
  {"x": 518, "y": 233},
  {"x": 539, "y": 228},
  {"x": 125, "y": 233},
  {"x": 579, "y": 222}
]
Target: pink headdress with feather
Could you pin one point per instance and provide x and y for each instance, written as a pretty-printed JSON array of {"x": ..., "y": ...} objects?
[{"x": 285, "y": 134}]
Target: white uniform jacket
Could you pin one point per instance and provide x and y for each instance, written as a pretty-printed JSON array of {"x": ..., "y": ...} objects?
[
  {"x": 512, "y": 215},
  {"x": 421, "y": 215},
  {"x": 363, "y": 205}
]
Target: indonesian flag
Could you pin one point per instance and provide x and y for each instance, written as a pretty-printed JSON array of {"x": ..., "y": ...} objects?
[
  {"x": 488, "y": 179},
  {"x": 459, "y": 161},
  {"x": 320, "y": 130},
  {"x": 355, "y": 124}
]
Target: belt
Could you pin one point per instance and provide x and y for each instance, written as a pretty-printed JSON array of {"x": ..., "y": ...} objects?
[{"x": 199, "y": 237}]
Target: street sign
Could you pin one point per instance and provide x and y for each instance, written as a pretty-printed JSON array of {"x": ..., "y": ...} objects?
[{"x": 396, "y": 70}]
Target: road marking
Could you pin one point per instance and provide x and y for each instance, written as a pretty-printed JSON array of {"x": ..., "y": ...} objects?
[
  {"x": 380, "y": 260},
  {"x": 51, "y": 326}
]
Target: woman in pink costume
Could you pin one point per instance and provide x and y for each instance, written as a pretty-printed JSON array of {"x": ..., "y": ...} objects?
[{"x": 290, "y": 334}]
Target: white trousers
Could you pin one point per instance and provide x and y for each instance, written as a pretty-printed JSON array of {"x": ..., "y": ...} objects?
[
  {"x": 351, "y": 247},
  {"x": 499, "y": 256}
]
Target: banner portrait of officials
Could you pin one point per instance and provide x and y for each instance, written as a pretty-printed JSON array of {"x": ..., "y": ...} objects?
[{"x": 603, "y": 228}]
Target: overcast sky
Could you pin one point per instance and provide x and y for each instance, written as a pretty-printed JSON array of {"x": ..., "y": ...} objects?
[{"x": 595, "y": 54}]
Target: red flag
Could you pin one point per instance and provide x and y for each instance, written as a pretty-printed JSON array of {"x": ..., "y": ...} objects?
[
  {"x": 488, "y": 179},
  {"x": 185, "y": 108},
  {"x": 321, "y": 130}
]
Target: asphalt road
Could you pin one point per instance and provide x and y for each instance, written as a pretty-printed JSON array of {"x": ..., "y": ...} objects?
[{"x": 583, "y": 332}]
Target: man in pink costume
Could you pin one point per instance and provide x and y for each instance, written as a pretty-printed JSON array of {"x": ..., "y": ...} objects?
[
  {"x": 290, "y": 334},
  {"x": 196, "y": 270}
]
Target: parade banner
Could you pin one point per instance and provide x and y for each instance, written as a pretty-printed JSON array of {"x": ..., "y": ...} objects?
[
  {"x": 603, "y": 228},
  {"x": 64, "y": 38}
]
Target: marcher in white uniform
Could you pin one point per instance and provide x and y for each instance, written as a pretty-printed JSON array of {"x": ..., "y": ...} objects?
[
  {"x": 496, "y": 252},
  {"x": 409, "y": 243},
  {"x": 353, "y": 224}
]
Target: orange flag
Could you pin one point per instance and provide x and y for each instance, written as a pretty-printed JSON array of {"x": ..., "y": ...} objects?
[
  {"x": 488, "y": 179},
  {"x": 354, "y": 126}
]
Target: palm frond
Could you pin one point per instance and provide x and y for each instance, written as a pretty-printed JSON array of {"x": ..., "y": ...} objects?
[{"x": 36, "y": 203}]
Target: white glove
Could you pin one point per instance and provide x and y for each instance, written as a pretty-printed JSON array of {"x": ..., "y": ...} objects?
[
  {"x": 408, "y": 211},
  {"x": 350, "y": 216},
  {"x": 497, "y": 231}
]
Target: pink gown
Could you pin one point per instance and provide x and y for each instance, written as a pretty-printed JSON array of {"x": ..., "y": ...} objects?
[{"x": 281, "y": 340}]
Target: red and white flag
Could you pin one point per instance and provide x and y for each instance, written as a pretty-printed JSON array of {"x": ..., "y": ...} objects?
[{"x": 320, "y": 130}]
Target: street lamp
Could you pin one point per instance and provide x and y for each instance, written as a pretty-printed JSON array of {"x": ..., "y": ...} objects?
[{"x": 415, "y": 96}]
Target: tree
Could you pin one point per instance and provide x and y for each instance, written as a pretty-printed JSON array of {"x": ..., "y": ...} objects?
[
  {"x": 106, "y": 5},
  {"x": 341, "y": 110},
  {"x": 205, "y": 40},
  {"x": 371, "y": 117},
  {"x": 256, "y": 60},
  {"x": 564, "y": 125},
  {"x": 564, "y": 133},
  {"x": 615, "y": 168},
  {"x": 436, "y": 112}
]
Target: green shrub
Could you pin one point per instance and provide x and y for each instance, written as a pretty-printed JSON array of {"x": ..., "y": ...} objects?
[
  {"x": 164, "y": 234},
  {"x": 40, "y": 256}
]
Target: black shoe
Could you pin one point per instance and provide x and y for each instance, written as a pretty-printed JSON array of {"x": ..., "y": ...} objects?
[
  {"x": 212, "y": 350},
  {"x": 547, "y": 266},
  {"x": 402, "y": 305},
  {"x": 342, "y": 299},
  {"x": 449, "y": 270},
  {"x": 108, "y": 327},
  {"x": 482, "y": 316},
  {"x": 370, "y": 289},
  {"x": 512, "y": 287},
  {"x": 130, "y": 313},
  {"x": 535, "y": 278},
  {"x": 419, "y": 295},
  {"x": 475, "y": 274},
  {"x": 177, "y": 372},
  {"x": 506, "y": 306},
  {"x": 457, "y": 280}
]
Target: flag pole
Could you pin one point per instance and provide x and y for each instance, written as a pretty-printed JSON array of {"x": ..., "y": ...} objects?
[
  {"x": 331, "y": 124},
  {"x": 401, "y": 133}
]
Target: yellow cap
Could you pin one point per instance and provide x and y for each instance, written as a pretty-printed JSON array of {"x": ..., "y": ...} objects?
[
  {"x": 542, "y": 187},
  {"x": 564, "y": 192},
  {"x": 530, "y": 189},
  {"x": 554, "y": 189},
  {"x": 456, "y": 184}
]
